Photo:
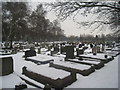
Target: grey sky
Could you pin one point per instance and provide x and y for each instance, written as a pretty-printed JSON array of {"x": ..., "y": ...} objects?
[{"x": 70, "y": 27}]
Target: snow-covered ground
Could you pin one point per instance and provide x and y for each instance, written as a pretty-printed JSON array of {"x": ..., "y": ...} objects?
[
  {"x": 9, "y": 81},
  {"x": 106, "y": 77}
]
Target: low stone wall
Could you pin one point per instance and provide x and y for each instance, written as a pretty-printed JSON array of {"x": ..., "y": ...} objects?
[
  {"x": 83, "y": 72},
  {"x": 58, "y": 83}
]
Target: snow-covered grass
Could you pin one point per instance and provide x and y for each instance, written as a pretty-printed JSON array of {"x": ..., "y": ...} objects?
[{"x": 9, "y": 81}]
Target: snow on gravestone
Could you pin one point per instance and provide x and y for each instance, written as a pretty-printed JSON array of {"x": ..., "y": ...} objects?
[
  {"x": 7, "y": 65},
  {"x": 30, "y": 52}
]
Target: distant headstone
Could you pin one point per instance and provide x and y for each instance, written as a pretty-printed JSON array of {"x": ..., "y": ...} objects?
[
  {"x": 70, "y": 52},
  {"x": 14, "y": 51},
  {"x": 98, "y": 49},
  {"x": 30, "y": 52},
  {"x": 103, "y": 48},
  {"x": 94, "y": 50},
  {"x": 7, "y": 66},
  {"x": 91, "y": 45},
  {"x": 39, "y": 50},
  {"x": 56, "y": 48},
  {"x": 105, "y": 56},
  {"x": 80, "y": 45},
  {"x": 62, "y": 49},
  {"x": 79, "y": 51},
  {"x": 85, "y": 47},
  {"x": 49, "y": 48}
]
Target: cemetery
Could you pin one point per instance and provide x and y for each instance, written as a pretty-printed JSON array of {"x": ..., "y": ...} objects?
[
  {"x": 59, "y": 45},
  {"x": 37, "y": 68}
]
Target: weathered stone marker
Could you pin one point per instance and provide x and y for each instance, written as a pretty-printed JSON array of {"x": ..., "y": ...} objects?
[
  {"x": 94, "y": 50},
  {"x": 7, "y": 65}
]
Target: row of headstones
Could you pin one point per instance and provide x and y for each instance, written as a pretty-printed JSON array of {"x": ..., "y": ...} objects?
[
  {"x": 57, "y": 47},
  {"x": 62, "y": 49},
  {"x": 95, "y": 49}
]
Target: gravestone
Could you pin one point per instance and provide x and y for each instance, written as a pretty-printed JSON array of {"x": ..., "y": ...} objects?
[
  {"x": 94, "y": 50},
  {"x": 14, "y": 51},
  {"x": 98, "y": 49},
  {"x": 91, "y": 45},
  {"x": 39, "y": 50},
  {"x": 103, "y": 47},
  {"x": 7, "y": 66},
  {"x": 30, "y": 52},
  {"x": 56, "y": 48},
  {"x": 79, "y": 51},
  {"x": 80, "y": 45},
  {"x": 85, "y": 47},
  {"x": 70, "y": 52},
  {"x": 62, "y": 49},
  {"x": 49, "y": 48}
]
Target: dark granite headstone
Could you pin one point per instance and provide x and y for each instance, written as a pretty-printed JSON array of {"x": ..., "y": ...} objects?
[
  {"x": 39, "y": 50},
  {"x": 7, "y": 65},
  {"x": 56, "y": 48},
  {"x": 49, "y": 48},
  {"x": 62, "y": 49},
  {"x": 79, "y": 51},
  {"x": 30, "y": 53},
  {"x": 103, "y": 47},
  {"x": 80, "y": 45},
  {"x": 91, "y": 45},
  {"x": 70, "y": 52}
]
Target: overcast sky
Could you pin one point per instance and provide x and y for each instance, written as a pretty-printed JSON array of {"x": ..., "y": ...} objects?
[{"x": 69, "y": 27}]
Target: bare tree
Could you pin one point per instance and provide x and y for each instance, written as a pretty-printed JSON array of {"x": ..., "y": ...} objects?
[{"x": 108, "y": 12}]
